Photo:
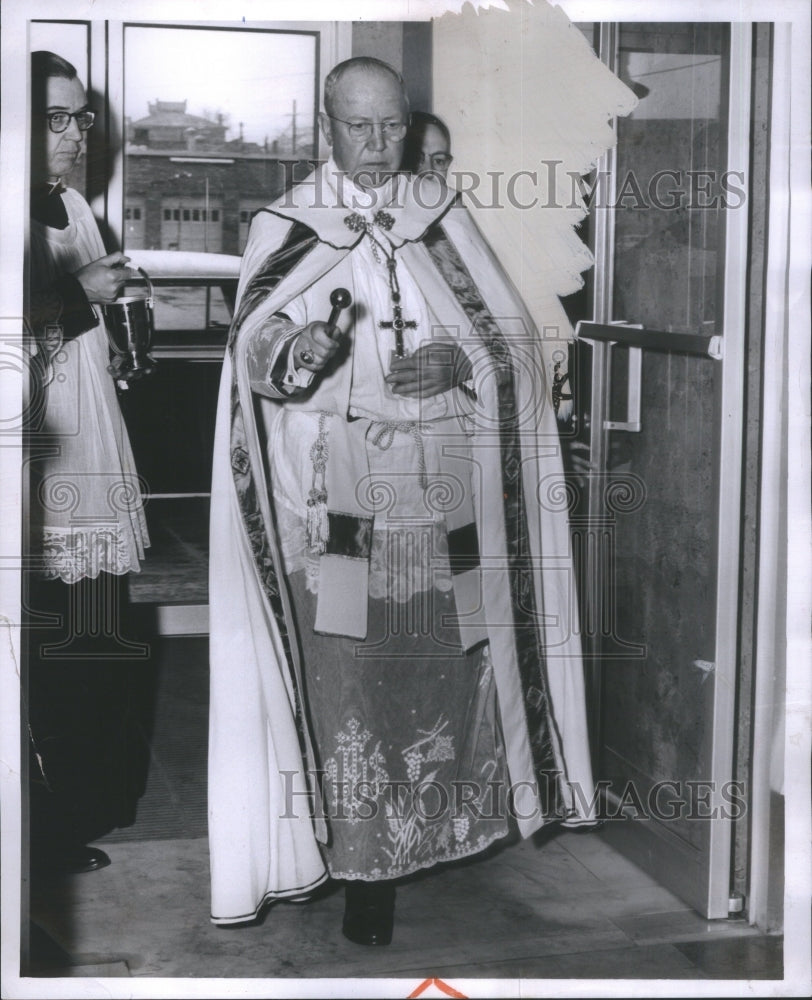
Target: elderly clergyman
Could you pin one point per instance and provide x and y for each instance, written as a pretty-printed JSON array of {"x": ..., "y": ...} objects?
[{"x": 395, "y": 669}]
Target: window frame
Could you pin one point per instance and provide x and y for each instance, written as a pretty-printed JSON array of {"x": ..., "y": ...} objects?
[{"x": 107, "y": 57}]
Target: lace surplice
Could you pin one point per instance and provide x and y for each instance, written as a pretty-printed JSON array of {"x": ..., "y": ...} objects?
[{"x": 87, "y": 511}]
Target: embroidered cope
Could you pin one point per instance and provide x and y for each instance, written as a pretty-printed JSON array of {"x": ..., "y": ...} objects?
[{"x": 375, "y": 745}]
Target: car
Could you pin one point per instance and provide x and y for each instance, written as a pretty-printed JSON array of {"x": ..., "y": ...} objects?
[
  {"x": 170, "y": 417},
  {"x": 194, "y": 295}
]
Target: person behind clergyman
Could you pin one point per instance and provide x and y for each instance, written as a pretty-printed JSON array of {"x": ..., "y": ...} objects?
[
  {"x": 427, "y": 147},
  {"x": 87, "y": 526}
]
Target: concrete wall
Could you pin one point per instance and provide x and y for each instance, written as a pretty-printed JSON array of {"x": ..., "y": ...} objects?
[{"x": 405, "y": 45}]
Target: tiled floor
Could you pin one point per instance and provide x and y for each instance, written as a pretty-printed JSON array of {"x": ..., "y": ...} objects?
[
  {"x": 560, "y": 906},
  {"x": 567, "y": 908},
  {"x": 175, "y": 569}
]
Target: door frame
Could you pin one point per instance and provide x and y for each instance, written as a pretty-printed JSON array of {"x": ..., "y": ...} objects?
[
  {"x": 729, "y": 505},
  {"x": 730, "y": 429},
  {"x": 781, "y": 637}
]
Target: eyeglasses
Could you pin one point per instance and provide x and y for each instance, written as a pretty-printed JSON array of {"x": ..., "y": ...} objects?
[
  {"x": 58, "y": 121},
  {"x": 362, "y": 131},
  {"x": 438, "y": 161}
]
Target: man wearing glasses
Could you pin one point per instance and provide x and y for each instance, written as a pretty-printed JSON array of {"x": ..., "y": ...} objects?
[
  {"x": 87, "y": 525},
  {"x": 428, "y": 145},
  {"x": 376, "y": 542}
]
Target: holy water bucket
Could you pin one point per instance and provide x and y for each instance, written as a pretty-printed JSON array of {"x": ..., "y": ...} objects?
[{"x": 129, "y": 322}]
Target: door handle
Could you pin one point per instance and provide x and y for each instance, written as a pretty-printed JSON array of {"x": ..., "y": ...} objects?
[
  {"x": 633, "y": 394},
  {"x": 636, "y": 338},
  {"x": 584, "y": 331},
  {"x": 635, "y": 335}
]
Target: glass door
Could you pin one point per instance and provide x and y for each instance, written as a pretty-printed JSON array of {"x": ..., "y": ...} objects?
[{"x": 659, "y": 541}]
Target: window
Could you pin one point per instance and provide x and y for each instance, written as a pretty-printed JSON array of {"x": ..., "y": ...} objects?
[
  {"x": 203, "y": 141},
  {"x": 669, "y": 258},
  {"x": 193, "y": 307},
  {"x": 134, "y": 224},
  {"x": 190, "y": 223}
]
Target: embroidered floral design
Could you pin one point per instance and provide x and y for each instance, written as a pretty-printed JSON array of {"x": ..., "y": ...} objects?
[
  {"x": 423, "y": 820},
  {"x": 355, "y": 223},
  {"x": 411, "y": 833},
  {"x": 432, "y": 746},
  {"x": 384, "y": 220},
  {"x": 460, "y": 825},
  {"x": 408, "y": 832}
]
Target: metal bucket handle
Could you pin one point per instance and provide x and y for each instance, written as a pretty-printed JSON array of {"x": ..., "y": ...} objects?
[{"x": 151, "y": 291}]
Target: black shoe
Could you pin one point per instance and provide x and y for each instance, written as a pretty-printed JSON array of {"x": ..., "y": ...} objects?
[
  {"x": 369, "y": 912},
  {"x": 74, "y": 861}
]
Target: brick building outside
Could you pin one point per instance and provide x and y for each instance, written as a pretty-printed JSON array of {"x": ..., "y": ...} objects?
[{"x": 189, "y": 188}]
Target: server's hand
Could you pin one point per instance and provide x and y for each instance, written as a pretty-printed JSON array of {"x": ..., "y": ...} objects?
[{"x": 103, "y": 279}]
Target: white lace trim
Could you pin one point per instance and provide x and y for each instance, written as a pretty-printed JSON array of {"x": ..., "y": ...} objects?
[
  {"x": 70, "y": 554},
  {"x": 403, "y": 561}
]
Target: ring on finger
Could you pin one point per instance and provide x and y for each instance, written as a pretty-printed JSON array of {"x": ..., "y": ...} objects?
[{"x": 306, "y": 357}]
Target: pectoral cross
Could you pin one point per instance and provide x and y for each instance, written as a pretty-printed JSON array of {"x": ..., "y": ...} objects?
[{"x": 397, "y": 323}]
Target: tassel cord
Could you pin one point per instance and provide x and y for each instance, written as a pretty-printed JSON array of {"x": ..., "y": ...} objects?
[{"x": 384, "y": 437}]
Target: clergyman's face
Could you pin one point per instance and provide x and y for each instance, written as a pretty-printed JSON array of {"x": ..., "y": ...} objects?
[
  {"x": 366, "y": 96},
  {"x": 435, "y": 154},
  {"x": 62, "y": 149}
]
